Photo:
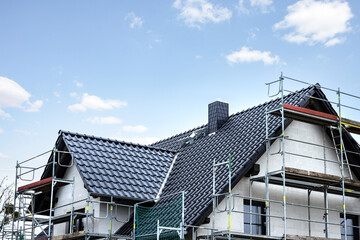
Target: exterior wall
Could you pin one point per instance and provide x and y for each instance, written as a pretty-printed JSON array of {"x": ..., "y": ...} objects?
[
  {"x": 102, "y": 212},
  {"x": 307, "y": 133},
  {"x": 64, "y": 197}
]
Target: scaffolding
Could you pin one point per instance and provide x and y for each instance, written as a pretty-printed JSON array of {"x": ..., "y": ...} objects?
[
  {"x": 77, "y": 216},
  {"x": 287, "y": 177},
  {"x": 165, "y": 220}
]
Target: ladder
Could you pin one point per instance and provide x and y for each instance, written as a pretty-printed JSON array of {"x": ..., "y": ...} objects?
[{"x": 337, "y": 150}]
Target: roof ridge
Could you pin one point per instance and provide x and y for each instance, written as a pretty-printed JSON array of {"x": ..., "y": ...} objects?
[
  {"x": 178, "y": 134},
  {"x": 116, "y": 141},
  {"x": 317, "y": 85}
]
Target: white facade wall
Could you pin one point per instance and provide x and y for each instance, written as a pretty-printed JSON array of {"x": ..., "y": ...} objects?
[
  {"x": 307, "y": 133},
  {"x": 102, "y": 212}
]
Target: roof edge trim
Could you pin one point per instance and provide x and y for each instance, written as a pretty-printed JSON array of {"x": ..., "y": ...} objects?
[{"x": 167, "y": 176}]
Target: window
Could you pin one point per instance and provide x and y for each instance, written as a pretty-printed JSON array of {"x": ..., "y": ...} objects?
[
  {"x": 352, "y": 224},
  {"x": 258, "y": 221}
]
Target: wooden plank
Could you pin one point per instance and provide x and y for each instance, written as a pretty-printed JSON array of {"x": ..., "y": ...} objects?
[
  {"x": 43, "y": 185},
  {"x": 75, "y": 235},
  {"x": 307, "y": 115},
  {"x": 277, "y": 180},
  {"x": 241, "y": 235},
  {"x": 311, "y": 112},
  {"x": 36, "y": 185},
  {"x": 351, "y": 125},
  {"x": 320, "y": 178},
  {"x": 317, "y": 117},
  {"x": 308, "y": 179},
  {"x": 350, "y": 122},
  {"x": 297, "y": 237}
]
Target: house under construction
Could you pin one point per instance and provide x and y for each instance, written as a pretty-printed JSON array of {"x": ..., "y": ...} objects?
[{"x": 285, "y": 169}]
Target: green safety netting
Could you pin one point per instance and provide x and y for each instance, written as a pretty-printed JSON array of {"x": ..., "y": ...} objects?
[{"x": 167, "y": 210}]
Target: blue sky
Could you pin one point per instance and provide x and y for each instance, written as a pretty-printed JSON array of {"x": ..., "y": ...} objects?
[{"x": 145, "y": 70}]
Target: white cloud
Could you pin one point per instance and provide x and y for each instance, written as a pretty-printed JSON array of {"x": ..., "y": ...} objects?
[
  {"x": 252, "y": 34},
  {"x": 134, "y": 20},
  {"x": 4, "y": 156},
  {"x": 24, "y": 132},
  {"x": 93, "y": 102},
  {"x": 135, "y": 129},
  {"x": 248, "y": 55},
  {"x": 195, "y": 12},
  {"x": 334, "y": 41},
  {"x": 56, "y": 94},
  {"x": 73, "y": 94},
  {"x": 1, "y": 130},
  {"x": 12, "y": 95},
  {"x": 241, "y": 8},
  {"x": 104, "y": 120},
  {"x": 60, "y": 70},
  {"x": 78, "y": 84},
  {"x": 316, "y": 22},
  {"x": 4, "y": 114},
  {"x": 139, "y": 140},
  {"x": 264, "y": 5},
  {"x": 35, "y": 106}
]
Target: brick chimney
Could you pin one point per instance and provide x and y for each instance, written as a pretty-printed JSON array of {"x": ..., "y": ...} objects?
[{"x": 218, "y": 114}]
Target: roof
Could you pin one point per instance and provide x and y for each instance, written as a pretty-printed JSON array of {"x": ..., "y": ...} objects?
[
  {"x": 242, "y": 137},
  {"x": 131, "y": 171},
  {"x": 115, "y": 168}
]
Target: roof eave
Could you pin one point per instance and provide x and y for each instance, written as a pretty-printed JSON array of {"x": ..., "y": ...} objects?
[{"x": 93, "y": 194}]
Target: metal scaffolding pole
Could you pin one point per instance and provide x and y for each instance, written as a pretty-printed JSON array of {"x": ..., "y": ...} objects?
[
  {"x": 87, "y": 217},
  {"x": 326, "y": 212},
  {"x": 342, "y": 163},
  {"x": 267, "y": 197},
  {"x": 283, "y": 151},
  {"x": 228, "y": 195},
  {"x": 52, "y": 192},
  {"x": 230, "y": 207},
  {"x": 111, "y": 216},
  {"x": 15, "y": 196},
  {"x": 182, "y": 215},
  {"x": 309, "y": 209},
  {"x": 214, "y": 201}
]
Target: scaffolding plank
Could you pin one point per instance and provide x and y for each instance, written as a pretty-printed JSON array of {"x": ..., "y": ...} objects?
[
  {"x": 63, "y": 218},
  {"x": 299, "y": 178},
  {"x": 307, "y": 115},
  {"x": 351, "y": 125},
  {"x": 73, "y": 236},
  {"x": 307, "y": 185},
  {"x": 240, "y": 235},
  {"x": 36, "y": 185},
  {"x": 320, "y": 178},
  {"x": 43, "y": 185},
  {"x": 297, "y": 237}
]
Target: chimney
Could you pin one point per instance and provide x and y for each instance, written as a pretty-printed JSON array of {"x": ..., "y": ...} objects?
[{"x": 218, "y": 114}]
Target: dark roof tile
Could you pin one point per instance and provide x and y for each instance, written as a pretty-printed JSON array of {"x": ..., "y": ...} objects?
[
  {"x": 242, "y": 137},
  {"x": 104, "y": 163}
]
